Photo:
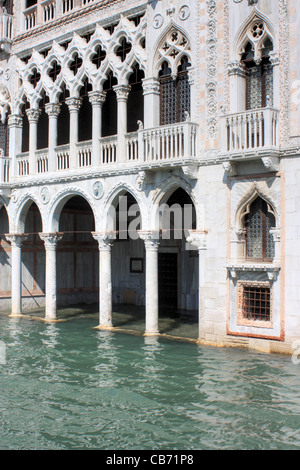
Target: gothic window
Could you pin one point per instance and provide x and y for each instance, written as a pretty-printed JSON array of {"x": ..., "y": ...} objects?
[
  {"x": 174, "y": 93},
  {"x": 258, "y": 69},
  {"x": 258, "y": 222},
  {"x": 123, "y": 49},
  {"x": 34, "y": 78},
  {"x": 98, "y": 57},
  {"x": 76, "y": 64},
  {"x": 55, "y": 71}
]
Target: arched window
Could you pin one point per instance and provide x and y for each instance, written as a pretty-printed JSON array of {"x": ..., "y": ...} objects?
[
  {"x": 175, "y": 99},
  {"x": 258, "y": 222},
  {"x": 259, "y": 71}
]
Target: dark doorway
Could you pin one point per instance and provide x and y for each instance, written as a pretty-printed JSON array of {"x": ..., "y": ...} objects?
[{"x": 167, "y": 281}]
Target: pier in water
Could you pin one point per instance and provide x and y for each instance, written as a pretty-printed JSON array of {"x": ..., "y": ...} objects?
[{"x": 67, "y": 385}]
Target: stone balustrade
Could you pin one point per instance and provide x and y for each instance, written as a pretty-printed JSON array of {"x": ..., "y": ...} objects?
[
  {"x": 172, "y": 143},
  {"x": 252, "y": 130}
]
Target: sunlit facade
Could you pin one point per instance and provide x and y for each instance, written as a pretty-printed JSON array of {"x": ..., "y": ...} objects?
[{"x": 149, "y": 158}]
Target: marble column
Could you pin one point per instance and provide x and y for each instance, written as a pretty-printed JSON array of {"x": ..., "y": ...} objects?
[
  {"x": 52, "y": 109},
  {"x": 97, "y": 98},
  {"x": 151, "y": 92},
  {"x": 197, "y": 238},
  {"x": 33, "y": 115},
  {"x": 237, "y": 86},
  {"x": 122, "y": 92},
  {"x": 15, "y": 124},
  {"x": 50, "y": 240},
  {"x": 74, "y": 105},
  {"x": 105, "y": 241},
  {"x": 16, "y": 241},
  {"x": 151, "y": 240}
]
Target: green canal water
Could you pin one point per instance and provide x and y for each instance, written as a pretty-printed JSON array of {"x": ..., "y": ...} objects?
[{"x": 70, "y": 386}]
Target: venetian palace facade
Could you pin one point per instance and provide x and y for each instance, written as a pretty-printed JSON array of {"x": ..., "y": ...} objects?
[{"x": 155, "y": 104}]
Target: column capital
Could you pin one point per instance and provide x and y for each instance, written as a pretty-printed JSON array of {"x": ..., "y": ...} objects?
[
  {"x": 105, "y": 239},
  {"x": 52, "y": 109},
  {"x": 33, "y": 114},
  {"x": 16, "y": 239},
  {"x": 236, "y": 68},
  {"x": 73, "y": 104},
  {"x": 122, "y": 92},
  {"x": 151, "y": 239},
  {"x": 151, "y": 86},
  {"x": 51, "y": 239},
  {"x": 15, "y": 120},
  {"x": 197, "y": 238},
  {"x": 97, "y": 97}
]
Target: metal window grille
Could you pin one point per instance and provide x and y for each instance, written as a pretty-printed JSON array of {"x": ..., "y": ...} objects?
[
  {"x": 256, "y": 303},
  {"x": 260, "y": 243}
]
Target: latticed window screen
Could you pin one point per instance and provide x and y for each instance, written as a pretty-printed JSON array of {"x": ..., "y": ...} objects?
[
  {"x": 4, "y": 141},
  {"x": 256, "y": 303},
  {"x": 260, "y": 243},
  {"x": 175, "y": 93}
]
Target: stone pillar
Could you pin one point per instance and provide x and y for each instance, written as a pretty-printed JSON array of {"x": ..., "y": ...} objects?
[
  {"x": 97, "y": 98},
  {"x": 122, "y": 92},
  {"x": 151, "y": 240},
  {"x": 74, "y": 106},
  {"x": 15, "y": 124},
  {"x": 197, "y": 238},
  {"x": 52, "y": 109},
  {"x": 105, "y": 241},
  {"x": 237, "y": 87},
  {"x": 16, "y": 241},
  {"x": 50, "y": 240},
  {"x": 151, "y": 92},
  {"x": 33, "y": 117}
]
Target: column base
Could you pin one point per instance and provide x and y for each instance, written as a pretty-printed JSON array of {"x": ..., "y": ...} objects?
[
  {"x": 16, "y": 315},
  {"x": 151, "y": 333}
]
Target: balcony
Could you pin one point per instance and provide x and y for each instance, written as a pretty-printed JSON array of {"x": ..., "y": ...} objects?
[
  {"x": 166, "y": 146},
  {"x": 250, "y": 134}
]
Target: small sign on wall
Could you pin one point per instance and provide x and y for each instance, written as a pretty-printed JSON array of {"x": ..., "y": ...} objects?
[{"x": 136, "y": 265}]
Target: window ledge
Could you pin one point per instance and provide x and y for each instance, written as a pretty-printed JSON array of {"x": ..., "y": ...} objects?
[{"x": 271, "y": 269}]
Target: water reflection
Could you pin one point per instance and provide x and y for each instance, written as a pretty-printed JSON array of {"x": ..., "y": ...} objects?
[{"x": 50, "y": 336}]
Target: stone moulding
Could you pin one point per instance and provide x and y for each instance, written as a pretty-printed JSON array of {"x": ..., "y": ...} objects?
[{"x": 271, "y": 270}]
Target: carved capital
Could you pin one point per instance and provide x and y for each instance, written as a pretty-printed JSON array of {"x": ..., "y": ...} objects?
[
  {"x": 52, "y": 109},
  {"x": 15, "y": 120},
  {"x": 97, "y": 98},
  {"x": 151, "y": 239},
  {"x": 51, "y": 239},
  {"x": 33, "y": 114},
  {"x": 122, "y": 92},
  {"x": 73, "y": 104},
  {"x": 191, "y": 171},
  {"x": 151, "y": 86},
  {"x": 236, "y": 68},
  {"x": 16, "y": 239},
  {"x": 105, "y": 239},
  {"x": 197, "y": 238}
]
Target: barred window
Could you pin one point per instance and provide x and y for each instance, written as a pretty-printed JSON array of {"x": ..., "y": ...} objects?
[
  {"x": 174, "y": 93},
  {"x": 254, "y": 303},
  {"x": 259, "y": 76},
  {"x": 259, "y": 221}
]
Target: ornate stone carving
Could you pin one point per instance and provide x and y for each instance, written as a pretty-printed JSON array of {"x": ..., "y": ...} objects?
[
  {"x": 51, "y": 239},
  {"x": 33, "y": 114},
  {"x": 105, "y": 239},
  {"x": 211, "y": 62},
  {"x": 272, "y": 163},
  {"x": 197, "y": 238},
  {"x": 16, "y": 239},
  {"x": 97, "y": 97},
  {"x": 45, "y": 195},
  {"x": 73, "y": 104},
  {"x": 151, "y": 239},
  {"x": 52, "y": 109},
  {"x": 98, "y": 190},
  {"x": 230, "y": 168}
]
